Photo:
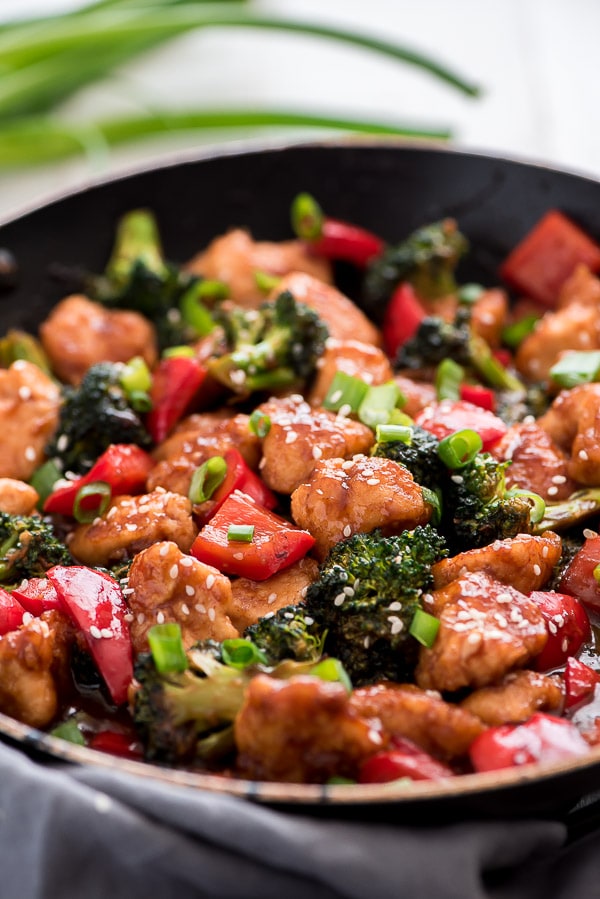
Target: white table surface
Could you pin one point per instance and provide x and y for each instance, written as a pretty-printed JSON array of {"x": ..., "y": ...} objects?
[{"x": 536, "y": 60}]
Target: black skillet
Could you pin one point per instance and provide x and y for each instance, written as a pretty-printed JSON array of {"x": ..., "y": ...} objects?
[{"x": 391, "y": 189}]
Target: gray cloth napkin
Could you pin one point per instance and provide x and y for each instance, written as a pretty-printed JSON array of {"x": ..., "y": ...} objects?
[{"x": 87, "y": 832}]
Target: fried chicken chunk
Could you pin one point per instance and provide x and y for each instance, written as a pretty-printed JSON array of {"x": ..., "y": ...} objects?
[
  {"x": 361, "y": 360},
  {"x": 17, "y": 497},
  {"x": 444, "y": 730},
  {"x": 356, "y": 496},
  {"x": 573, "y": 422},
  {"x": 29, "y": 413},
  {"x": 516, "y": 699},
  {"x": 251, "y": 600},
  {"x": 133, "y": 523},
  {"x": 486, "y": 630},
  {"x": 78, "y": 333},
  {"x": 166, "y": 585},
  {"x": 537, "y": 463},
  {"x": 301, "y": 730},
  {"x": 300, "y": 435}
]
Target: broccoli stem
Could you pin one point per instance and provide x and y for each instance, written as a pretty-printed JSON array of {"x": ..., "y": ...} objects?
[
  {"x": 137, "y": 241},
  {"x": 490, "y": 369},
  {"x": 574, "y": 510}
]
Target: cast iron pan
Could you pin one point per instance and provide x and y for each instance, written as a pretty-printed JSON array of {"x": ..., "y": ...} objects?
[{"x": 391, "y": 189}]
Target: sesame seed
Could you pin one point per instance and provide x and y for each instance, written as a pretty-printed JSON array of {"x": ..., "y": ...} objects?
[
  {"x": 95, "y": 632},
  {"x": 347, "y": 465},
  {"x": 457, "y": 478},
  {"x": 367, "y": 642},
  {"x": 373, "y": 482},
  {"x": 127, "y": 591},
  {"x": 185, "y": 609},
  {"x": 160, "y": 617},
  {"x": 345, "y": 410},
  {"x": 291, "y": 437},
  {"x": 237, "y": 377},
  {"x": 186, "y": 562},
  {"x": 164, "y": 550},
  {"x": 317, "y": 452},
  {"x": 211, "y": 614},
  {"x": 106, "y": 633},
  {"x": 349, "y": 591},
  {"x": 30, "y": 454},
  {"x": 190, "y": 590},
  {"x": 335, "y": 396},
  {"x": 141, "y": 618},
  {"x": 130, "y": 527},
  {"x": 347, "y": 531},
  {"x": 199, "y": 607},
  {"x": 503, "y": 597},
  {"x": 564, "y": 645},
  {"x": 238, "y": 556},
  {"x": 339, "y": 599},
  {"x": 583, "y": 455},
  {"x": 394, "y": 606},
  {"x": 210, "y": 581},
  {"x": 271, "y": 598},
  {"x": 24, "y": 393},
  {"x": 173, "y": 571},
  {"x": 559, "y": 479},
  {"x": 112, "y": 511},
  {"x": 397, "y": 625},
  {"x": 474, "y": 637},
  {"x": 552, "y": 491},
  {"x": 537, "y": 570},
  {"x": 128, "y": 617},
  {"x": 62, "y": 443},
  {"x": 545, "y": 552},
  {"x": 27, "y": 617}
]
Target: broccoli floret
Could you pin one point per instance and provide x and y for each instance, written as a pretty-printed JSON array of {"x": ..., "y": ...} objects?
[
  {"x": 137, "y": 277},
  {"x": 427, "y": 258},
  {"x": 28, "y": 548},
  {"x": 273, "y": 347},
  {"x": 420, "y": 456},
  {"x": 94, "y": 415},
  {"x": 368, "y": 590},
  {"x": 480, "y": 507},
  {"x": 513, "y": 409},
  {"x": 437, "y": 339},
  {"x": 171, "y": 712},
  {"x": 288, "y": 634}
]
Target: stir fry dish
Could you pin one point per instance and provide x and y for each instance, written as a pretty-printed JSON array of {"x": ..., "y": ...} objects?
[{"x": 252, "y": 526}]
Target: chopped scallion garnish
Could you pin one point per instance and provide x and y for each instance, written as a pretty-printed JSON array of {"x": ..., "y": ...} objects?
[
  {"x": 194, "y": 312},
  {"x": 538, "y": 505},
  {"x": 207, "y": 478},
  {"x": 98, "y": 491},
  {"x": 346, "y": 392},
  {"x": 378, "y": 404},
  {"x": 448, "y": 378},
  {"x": 460, "y": 448},
  {"x": 265, "y": 281},
  {"x": 69, "y": 731},
  {"x": 332, "y": 670},
  {"x": 596, "y": 573},
  {"x": 307, "y": 217},
  {"x": 260, "y": 423},
  {"x": 576, "y": 367},
  {"x": 240, "y": 533},
  {"x": 183, "y": 350},
  {"x": 240, "y": 653},
  {"x": 140, "y": 401},
  {"x": 136, "y": 376},
  {"x": 514, "y": 334},
  {"x": 469, "y": 293},
  {"x": 424, "y": 628},
  {"x": 167, "y": 648},
  {"x": 392, "y": 433},
  {"x": 44, "y": 478}
]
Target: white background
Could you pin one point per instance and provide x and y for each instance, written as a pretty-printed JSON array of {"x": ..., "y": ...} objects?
[{"x": 538, "y": 62}]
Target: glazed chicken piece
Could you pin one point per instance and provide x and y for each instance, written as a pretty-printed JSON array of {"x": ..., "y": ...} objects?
[
  {"x": 234, "y": 430},
  {"x": 516, "y": 698},
  {"x": 251, "y": 600},
  {"x": 537, "y": 463},
  {"x": 354, "y": 358},
  {"x": 79, "y": 333},
  {"x": 29, "y": 413},
  {"x": 575, "y": 327},
  {"x": 235, "y": 258},
  {"x": 301, "y": 730},
  {"x": 444, "y": 730},
  {"x": 131, "y": 524},
  {"x": 356, "y": 496},
  {"x": 489, "y": 314},
  {"x": 300, "y": 436},
  {"x": 17, "y": 497},
  {"x": 344, "y": 320},
  {"x": 573, "y": 422},
  {"x": 526, "y": 562},
  {"x": 33, "y": 660},
  {"x": 167, "y": 586},
  {"x": 581, "y": 287},
  {"x": 487, "y": 629},
  {"x": 418, "y": 394}
]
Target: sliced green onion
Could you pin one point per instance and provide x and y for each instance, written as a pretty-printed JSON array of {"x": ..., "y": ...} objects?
[
  {"x": 596, "y": 573},
  {"x": 99, "y": 489},
  {"x": 332, "y": 670},
  {"x": 167, "y": 648},
  {"x": 260, "y": 423},
  {"x": 140, "y": 401},
  {"x": 448, "y": 378},
  {"x": 538, "y": 505},
  {"x": 469, "y": 293},
  {"x": 44, "y": 478},
  {"x": 136, "y": 377},
  {"x": 193, "y": 311},
  {"x": 240, "y": 533},
  {"x": 266, "y": 282},
  {"x": 397, "y": 417},
  {"x": 576, "y": 367},
  {"x": 424, "y": 628},
  {"x": 460, "y": 448},
  {"x": 346, "y": 392},
  {"x": 183, "y": 350},
  {"x": 240, "y": 653},
  {"x": 392, "y": 433},
  {"x": 307, "y": 217},
  {"x": 514, "y": 334},
  {"x": 434, "y": 499},
  {"x": 378, "y": 404},
  {"x": 209, "y": 290},
  {"x": 207, "y": 478},
  {"x": 69, "y": 731}
]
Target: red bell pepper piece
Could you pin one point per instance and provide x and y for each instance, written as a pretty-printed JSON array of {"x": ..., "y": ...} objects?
[
  {"x": 346, "y": 242},
  {"x": 124, "y": 466},
  {"x": 403, "y": 315},
  {"x": 11, "y": 613},
  {"x": 484, "y": 397},
  {"x": 276, "y": 543},
  {"x": 541, "y": 263},
  {"x": 580, "y": 682},
  {"x": 175, "y": 384},
  {"x": 444, "y": 418},
  {"x": 544, "y": 738},
  {"x": 568, "y": 627},
  {"x": 240, "y": 477},
  {"x": 37, "y": 595},
  {"x": 405, "y": 760},
  {"x": 578, "y": 579},
  {"x": 94, "y": 601},
  {"x": 116, "y": 743}
]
